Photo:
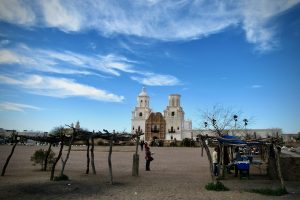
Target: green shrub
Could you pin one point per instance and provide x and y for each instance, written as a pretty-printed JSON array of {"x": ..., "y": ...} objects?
[
  {"x": 270, "y": 192},
  {"x": 173, "y": 144},
  {"x": 216, "y": 187},
  {"x": 61, "y": 178},
  {"x": 39, "y": 156},
  {"x": 187, "y": 142}
]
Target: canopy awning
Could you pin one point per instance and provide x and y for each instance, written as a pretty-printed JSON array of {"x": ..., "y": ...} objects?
[{"x": 233, "y": 140}]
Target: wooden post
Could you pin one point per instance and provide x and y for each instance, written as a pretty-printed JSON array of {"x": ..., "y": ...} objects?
[
  {"x": 64, "y": 162},
  {"x": 57, "y": 159},
  {"x": 221, "y": 161},
  {"x": 87, "y": 156},
  {"x": 92, "y": 155},
  {"x": 277, "y": 156},
  {"x": 9, "y": 157},
  {"x": 231, "y": 153},
  {"x": 109, "y": 157},
  {"x": 46, "y": 158},
  {"x": 135, "y": 164},
  {"x": 209, "y": 159}
]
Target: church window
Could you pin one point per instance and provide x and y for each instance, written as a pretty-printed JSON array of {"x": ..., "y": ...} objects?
[
  {"x": 141, "y": 114},
  {"x": 178, "y": 128},
  {"x": 133, "y": 128},
  {"x": 173, "y": 113},
  {"x": 139, "y": 128}
]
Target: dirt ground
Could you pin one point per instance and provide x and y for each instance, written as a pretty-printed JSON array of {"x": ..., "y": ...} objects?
[{"x": 176, "y": 173}]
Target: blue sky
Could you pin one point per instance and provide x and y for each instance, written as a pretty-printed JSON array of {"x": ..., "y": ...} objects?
[{"x": 63, "y": 61}]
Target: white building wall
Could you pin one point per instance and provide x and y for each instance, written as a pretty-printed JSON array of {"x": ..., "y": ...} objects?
[{"x": 260, "y": 133}]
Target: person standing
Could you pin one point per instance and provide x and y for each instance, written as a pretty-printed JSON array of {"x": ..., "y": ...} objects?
[
  {"x": 142, "y": 144},
  {"x": 237, "y": 157},
  {"x": 148, "y": 158},
  {"x": 215, "y": 161}
]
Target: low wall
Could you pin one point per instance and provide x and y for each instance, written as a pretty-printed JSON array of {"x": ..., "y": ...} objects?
[{"x": 290, "y": 167}]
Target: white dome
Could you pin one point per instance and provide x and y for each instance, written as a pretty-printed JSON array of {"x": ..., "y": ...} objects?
[{"x": 143, "y": 92}]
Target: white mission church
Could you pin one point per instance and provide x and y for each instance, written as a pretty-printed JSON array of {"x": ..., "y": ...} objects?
[{"x": 170, "y": 125}]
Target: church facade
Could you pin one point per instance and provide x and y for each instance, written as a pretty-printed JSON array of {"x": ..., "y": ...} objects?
[{"x": 167, "y": 126}]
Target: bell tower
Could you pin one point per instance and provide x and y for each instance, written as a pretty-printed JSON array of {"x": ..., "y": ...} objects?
[
  {"x": 143, "y": 99},
  {"x": 140, "y": 113},
  {"x": 174, "y": 116}
]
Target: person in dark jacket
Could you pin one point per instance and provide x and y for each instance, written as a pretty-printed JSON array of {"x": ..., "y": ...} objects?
[
  {"x": 148, "y": 158},
  {"x": 142, "y": 145}
]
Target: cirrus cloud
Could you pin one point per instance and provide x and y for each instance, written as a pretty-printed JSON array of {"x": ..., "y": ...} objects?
[
  {"x": 67, "y": 62},
  {"x": 163, "y": 20},
  {"x": 17, "y": 106},
  {"x": 59, "y": 87},
  {"x": 152, "y": 79}
]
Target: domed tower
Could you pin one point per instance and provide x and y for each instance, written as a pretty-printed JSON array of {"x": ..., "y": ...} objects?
[
  {"x": 174, "y": 116},
  {"x": 141, "y": 113}
]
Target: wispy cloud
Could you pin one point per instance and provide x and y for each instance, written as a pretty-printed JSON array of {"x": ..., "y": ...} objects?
[
  {"x": 67, "y": 62},
  {"x": 256, "y": 21},
  {"x": 17, "y": 12},
  {"x": 152, "y": 79},
  {"x": 17, "y": 106},
  {"x": 59, "y": 87},
  {"x": 163, "y": 20},
  {"x": 63, "y": 16},
  {"x": 256, "y": 86},
  {"x": 4, "y": 42}
]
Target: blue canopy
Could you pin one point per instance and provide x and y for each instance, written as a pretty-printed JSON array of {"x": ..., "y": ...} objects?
[
  {"x": 228, "y": 139},
  {"x": 233, "y": 140}
]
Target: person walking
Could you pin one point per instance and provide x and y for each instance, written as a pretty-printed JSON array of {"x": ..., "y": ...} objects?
[
  {"x": 148, "y": 158},
  {"x": 215, "y": 161}
]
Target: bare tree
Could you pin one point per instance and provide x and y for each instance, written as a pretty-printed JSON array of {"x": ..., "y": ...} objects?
[{"x": 219, "y": 121}]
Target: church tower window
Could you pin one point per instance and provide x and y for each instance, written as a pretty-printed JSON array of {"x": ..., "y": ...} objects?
[
  {"x": 173, "y": 113},
  {"x": 133, "y": 128},
  {"x": 141, "y": 114},
  {"x": 172, "y": 129}
]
